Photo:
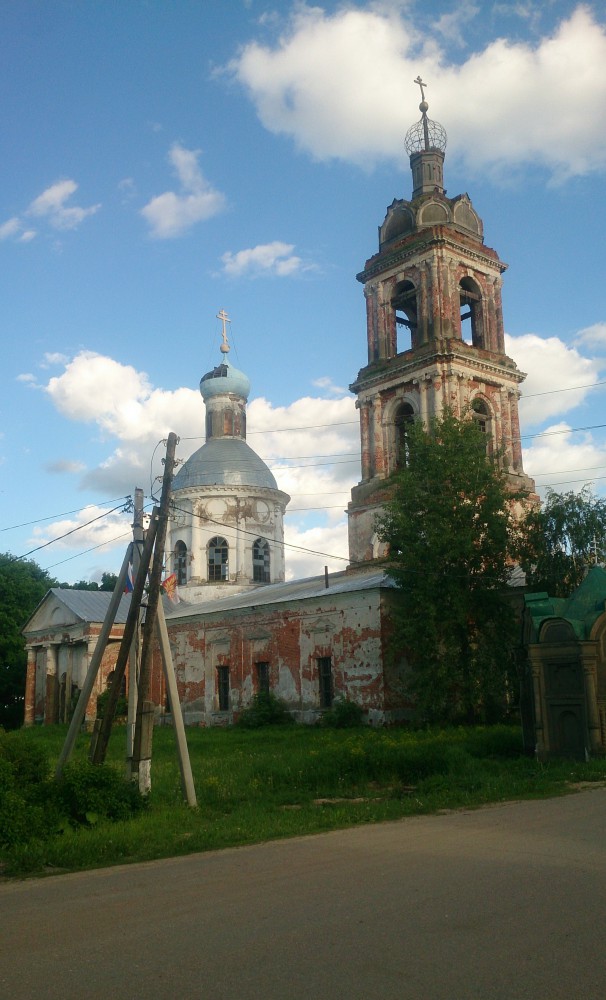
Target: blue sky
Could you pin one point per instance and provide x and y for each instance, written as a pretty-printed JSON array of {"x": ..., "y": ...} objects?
[{"x": 163, "y": 161}]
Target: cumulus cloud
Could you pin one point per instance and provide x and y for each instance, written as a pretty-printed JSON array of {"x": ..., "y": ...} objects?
[
  {"x": 551, "y": 365},
  {"x": 119, "y": 399},
  {"x": 92, "y": 527},
  {"x": 311, "y": 446},
  {"x": 564, "y": 459},
  {"x": 51, "y": 204},
  {"x": 333, "y": 82},
  {"x": 171, "y": 214},
  {"x": 268, "y": 258}
]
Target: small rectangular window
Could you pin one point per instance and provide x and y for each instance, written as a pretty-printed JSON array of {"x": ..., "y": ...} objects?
[
  {"x": 223, "y": 688},
  {"x": 325, "y": 681},
  {"x": 262, "y": 670}
]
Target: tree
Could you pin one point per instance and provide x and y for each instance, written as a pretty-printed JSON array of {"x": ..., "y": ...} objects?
[
  {"x": 23, "y": 584},
  {"x": 108, "y": 582},
  {"x": 450, "y": 530},
  {"x": 562, "y": 539}
]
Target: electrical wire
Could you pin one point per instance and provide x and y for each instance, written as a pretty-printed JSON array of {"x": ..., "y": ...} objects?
[
  {"x": 52, "y": 517},
  {"x": 255, "y": 534},
  {"x": 93, "y": 548},
  {"x": 71, "y": 532}
]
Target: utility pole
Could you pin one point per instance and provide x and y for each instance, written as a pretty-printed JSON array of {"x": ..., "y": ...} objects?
[
  {"x": 100, "y": 739},
  {"x": 142, "y": 745},
  {"x": 133, "y": 660},
  {"x": 93, "y": 668}
]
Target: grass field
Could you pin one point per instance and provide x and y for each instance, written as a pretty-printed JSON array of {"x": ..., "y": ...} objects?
[{"x": 255, "y": 785}]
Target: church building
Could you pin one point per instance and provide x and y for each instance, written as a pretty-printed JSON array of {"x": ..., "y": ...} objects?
[{"x": 435, "y": 342}]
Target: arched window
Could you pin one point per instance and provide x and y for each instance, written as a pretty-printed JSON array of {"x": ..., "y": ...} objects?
[
  {"x": 404, "y": 304},
  {"x": 404, "y": 418},
  {"x": 181, "y": 563},
  {"x": 261, "y": 566},
  {"x": 483, "y": 420},
  {"x": 218, "y": 566},
  {"x": 472, "y": 318}
]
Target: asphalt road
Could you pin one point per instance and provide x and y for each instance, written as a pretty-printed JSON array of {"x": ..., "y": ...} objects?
[{"x": 502, "y": 903}]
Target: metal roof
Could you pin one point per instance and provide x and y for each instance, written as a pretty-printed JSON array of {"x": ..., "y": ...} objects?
[
  {"x": 279, "y": 593},
  {"x": 224, "y": 462},
  {"x": 91, "y": 605}
]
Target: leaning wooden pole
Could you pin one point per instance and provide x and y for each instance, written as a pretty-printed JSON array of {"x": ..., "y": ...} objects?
[
  {"x": 142, "y": 748},
  {"x": 98, "y": 747},
  {"x": 187, "y": 779},
  {"x": 93, "y": 667},
  {"x": 135, "y": 649}
]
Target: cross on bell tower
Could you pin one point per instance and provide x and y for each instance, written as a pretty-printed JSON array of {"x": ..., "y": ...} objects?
[{"x": 435, "y": 333}]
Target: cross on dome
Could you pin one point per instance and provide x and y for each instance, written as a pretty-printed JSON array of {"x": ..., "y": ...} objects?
[
  {"x": 421, "y": 85},
  {"x": 222, "y": 315}
]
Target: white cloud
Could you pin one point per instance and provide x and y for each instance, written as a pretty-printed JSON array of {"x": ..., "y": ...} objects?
[
  {"x": 106, "y": 530},
  {"x": 327, "y": 384},
  {"x": 267, "y": 258},
  {"x": 54, "y": 358},
  {"x": 555, "y": 373},
  {"x": 451, "y": 26},
  {"x": 333, "y": 82},
  {"x": 120, "y": 399},
  {"x": 171, "y": 214},
  {"x": 10, "y": 228},
  {"x": 312, "y": 447},
  {"x": 63, "y": 465},
  {"x": 315, "y": 458},
  {"x": 51, "y": 205},
  {"x": 564, "y": 459},
  {"x": 593, "y": 336}
]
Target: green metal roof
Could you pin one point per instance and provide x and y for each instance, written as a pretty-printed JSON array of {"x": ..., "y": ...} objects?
[{"x": 581, "y": 610}]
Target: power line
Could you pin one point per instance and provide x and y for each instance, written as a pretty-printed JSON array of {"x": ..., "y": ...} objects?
[
  {"x": 51, "y": 517},
  {"x": 71, "y": 532},
  {"x": 93, "y": 548},
  {"x": 255, "y": 534},
  {"x": 568, "y": 388}
]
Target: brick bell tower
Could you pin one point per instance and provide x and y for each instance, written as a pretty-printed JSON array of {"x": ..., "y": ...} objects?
[{"x": 435, "y": 334}]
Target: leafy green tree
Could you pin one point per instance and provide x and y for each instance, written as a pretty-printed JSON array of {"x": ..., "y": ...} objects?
[
  {"x": 562, "y": 539},
  {"x": 450, "y": 530},
  {"x": 23, "y": 584},
  {"x": 108, "y": 582}
]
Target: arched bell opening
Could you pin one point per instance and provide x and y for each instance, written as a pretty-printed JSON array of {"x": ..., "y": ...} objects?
[
  {"x": 472, "y": 315},
  {"x": 404, "y": 303}
]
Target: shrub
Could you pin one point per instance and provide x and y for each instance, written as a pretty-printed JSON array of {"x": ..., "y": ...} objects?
[
  {"x": 121, "y": 705},
  {"x": 26, "y": 761},
  {"x": 344, "y": 714},
  {"x": 265, "y": 710},
  {"x": 24, "y": 771},
  {"x": 89, "y": 792}
]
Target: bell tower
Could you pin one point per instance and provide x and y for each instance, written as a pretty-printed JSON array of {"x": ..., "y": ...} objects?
[{"x": 435, "y": 334}]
